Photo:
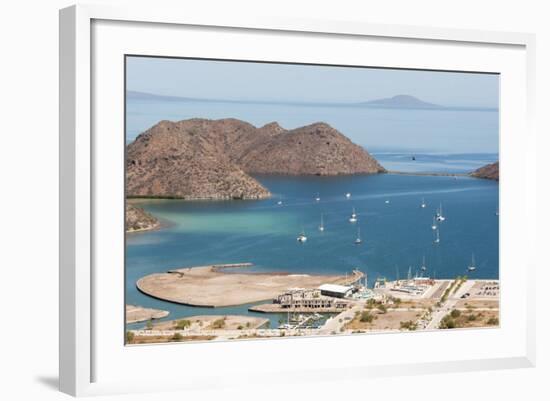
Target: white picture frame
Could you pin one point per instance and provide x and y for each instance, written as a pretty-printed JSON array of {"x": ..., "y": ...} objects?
[{"x": 85, "y": 353}]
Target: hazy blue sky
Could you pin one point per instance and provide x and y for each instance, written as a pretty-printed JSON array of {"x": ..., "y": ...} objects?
[
  {"x": 284, "y": 82},
  {"x": 451, "y": 131}
]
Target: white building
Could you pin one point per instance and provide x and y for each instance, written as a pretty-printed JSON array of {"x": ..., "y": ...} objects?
[{"x": 335, "y": 290}]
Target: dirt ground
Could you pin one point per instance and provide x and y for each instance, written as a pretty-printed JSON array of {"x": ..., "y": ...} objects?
[
  {"x": 135, "y": 314},
  {"x": 206, "y": 322},
  {"x": 166, "y": 339},
  {"x": 391, "y": 320},
  {"x": 485, "y": 303},
  {"x": 207, "y": 286}
]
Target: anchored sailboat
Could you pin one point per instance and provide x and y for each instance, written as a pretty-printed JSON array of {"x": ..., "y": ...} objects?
[
  {"x": 436, "y": 240},
  {"x": 439, "y": 214},
  {"x": 423, "y": 204},
  {"x": 302, "y": 237},
  {"x": 423, "y": 267},
  {"x": 434, "y": 224},
  {"x": 472, "y": 267},
  {"x": 358, "y": 240},
  {"x": 353, "y": 217},
  {"x": 348, "y": 195},
  {"x": 317, "y": 198},
  {"x": 322, "y": 225}
]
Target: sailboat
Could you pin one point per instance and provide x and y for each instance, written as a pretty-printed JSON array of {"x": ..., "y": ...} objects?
[
  {"x": 423, "y": 204},
  {"x": 280, "y": 201},
  {"x": 439, "y": 214},
  {"x": 423, "y": 267},
  {"x": 472, "y": 267},
  {"x": 436, "y": 240},
  {"x": 353, "y": 217},
  {"x": 317, "y": 198},
  {"x": 348, "y": 195},
  {"x": 302, "y": 237},
  {"x": 322, "y": 225},
  {"x": 434, "y": 224},
  {"x": 358, "y": 240}
]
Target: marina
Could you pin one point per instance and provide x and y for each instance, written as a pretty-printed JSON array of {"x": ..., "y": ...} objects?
[{"x": 228, "y": 232}]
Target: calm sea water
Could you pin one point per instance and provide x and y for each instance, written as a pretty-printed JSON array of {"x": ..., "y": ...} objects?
[
  {"x": 395, "y": 235},
  {"x": 376, "y": 128}
]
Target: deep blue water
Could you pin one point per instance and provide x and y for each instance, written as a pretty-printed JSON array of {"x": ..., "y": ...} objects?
[{"x": 395, "y": 235}]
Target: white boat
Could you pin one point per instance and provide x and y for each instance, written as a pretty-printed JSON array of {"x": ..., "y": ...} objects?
[
  {"x": 387, "y": 201},
  {"x": 317, "y": 198},
  {"x": 434, "y": 224},
  {"x": 358, "y": 240},
  {"x": 472, "y": 267},
  {"x": 437, "y": 240},
  {"x": 353, "y": 217},
  {"x": 280, "y": 203},
  {"x": 322, "y": 225},
  {"x": 423, "y": 267},
  {"x": 423, "y": 204},
  {"x": 439, "y": 214},
  {"x": 348, "y": 195},
  {"x": 302, "y": 237}
]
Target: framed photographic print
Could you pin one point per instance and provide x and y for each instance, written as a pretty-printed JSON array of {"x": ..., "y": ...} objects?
[{"x": 244, "y": 193}]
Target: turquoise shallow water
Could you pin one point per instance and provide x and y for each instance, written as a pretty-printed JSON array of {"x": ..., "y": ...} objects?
[{"x": 395, "y": 235}]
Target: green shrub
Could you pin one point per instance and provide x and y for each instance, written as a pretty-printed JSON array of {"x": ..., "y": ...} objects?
[
  {"x": 183, "y": 324},
  {"x": 218, "y": 323},
  {"x": 408, "y": 325},
  {"x": 366, "y": 317},
  {"x": 130, "y": 337},
  {"x": 382, "y": 308},
  {"x": 455, "y": 313},
  {"x": 493, "y": 321},
  {"x": 177, "y": 337}
]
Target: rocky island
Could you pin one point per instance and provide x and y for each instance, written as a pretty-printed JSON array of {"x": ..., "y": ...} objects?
[
  {"x": 214, "y": 159},
  {"x": 489, "y": 171},
  {"x": 138, "y": 219}
]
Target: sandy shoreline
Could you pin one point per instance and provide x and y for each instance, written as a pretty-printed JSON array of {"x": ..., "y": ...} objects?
[{"x": 136, "y": 314}]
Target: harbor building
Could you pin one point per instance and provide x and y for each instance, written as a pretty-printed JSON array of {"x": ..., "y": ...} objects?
[
  {"x": 335, "y": 290},
  {"x": 298, "y": 298}
]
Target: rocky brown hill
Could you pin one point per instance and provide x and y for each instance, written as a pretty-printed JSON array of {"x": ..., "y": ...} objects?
[
  {"x": 138, "y": 219},
  {"x": 316, "y": 149},
  {"x": 186, "y": 160},
  {"x": 212, "y": 159},
  {"x": 490, "y": 171}
]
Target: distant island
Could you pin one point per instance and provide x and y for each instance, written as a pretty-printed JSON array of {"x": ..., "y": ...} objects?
[
  {"x": 489, "y": 171},
  {"x": 215, "y": 159},
  {"x": 402, "y": 101}
]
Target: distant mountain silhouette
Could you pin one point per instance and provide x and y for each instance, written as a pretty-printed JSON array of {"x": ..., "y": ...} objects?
[
  {"x": 403, "y": 102},
  {"x": 395, "y": 102}
]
